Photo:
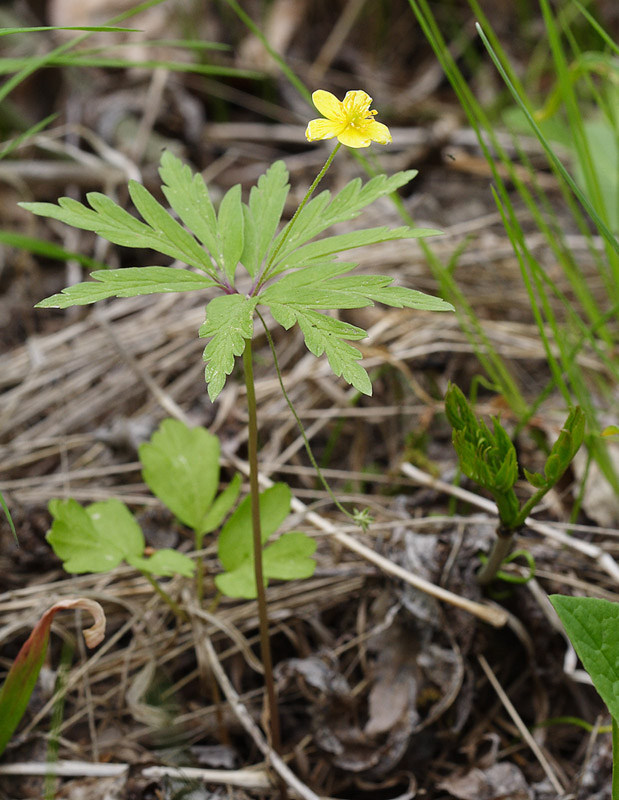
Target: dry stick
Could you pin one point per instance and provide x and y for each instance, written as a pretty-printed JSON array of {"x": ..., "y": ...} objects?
[
  {"x": 253, "y": 730},
  {"x": 522, "y": 728},
  {"x": 605, "y": 560}
]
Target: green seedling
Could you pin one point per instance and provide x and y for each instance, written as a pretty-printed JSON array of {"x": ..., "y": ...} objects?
[
  {"x": 593, "y": 627},
  {"x": 181, "y": 467},
  {"x": 101, "y": 536},
  {"x": 488, "y": 457},
  {"x": 248, "y": 261},
  {"x": 288, "y": 558},
  {"x": 22, "y": 676}
]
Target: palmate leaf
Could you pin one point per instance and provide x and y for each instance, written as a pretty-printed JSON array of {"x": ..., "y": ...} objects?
[
  {"x": 319, "y": 214},
  {"x": 305, "y": 255},
  {"x": 128, "y": 282},
  {"x": 326, "y": 335},
  {"x": 229, "y": 322},
  {"x": 107, "y": 219},
  {"x": 222, "y": 233}
]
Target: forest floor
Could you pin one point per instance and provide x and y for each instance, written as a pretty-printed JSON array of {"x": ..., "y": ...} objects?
[{"x": 385, "y": 691}]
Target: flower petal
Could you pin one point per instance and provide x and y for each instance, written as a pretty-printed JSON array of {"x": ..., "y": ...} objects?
[
  {"x": 357, "y": 103},
  {"x": 323, "y": 129},
  {"x": 328, "y": 105},
  {"x": 378, "y": 132},
  {"x": 354, "y": 137}
]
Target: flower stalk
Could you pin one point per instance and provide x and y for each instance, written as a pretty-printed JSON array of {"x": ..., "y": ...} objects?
[{"x": 263, "y": 617}]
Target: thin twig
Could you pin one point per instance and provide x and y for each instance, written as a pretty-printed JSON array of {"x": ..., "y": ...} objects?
[
  {"x": 522, "y": 728},
  {"x": 254, "y": 731}
]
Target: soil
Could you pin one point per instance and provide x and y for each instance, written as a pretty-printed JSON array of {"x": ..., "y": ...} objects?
[{"x": 384, "y": 691}]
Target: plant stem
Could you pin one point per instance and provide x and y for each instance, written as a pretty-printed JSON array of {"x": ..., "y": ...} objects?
[
  {"x": 165, "y": 597},
  {"x": 265, "y": 642},
  {"x": 288, "y": 228},
  {"x": 615, "y": 782},
  {"x": 500, "y": 550}
]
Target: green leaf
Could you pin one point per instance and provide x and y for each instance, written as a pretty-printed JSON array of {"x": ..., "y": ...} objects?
[
  {"x": 164, "y": 563},
  {"x": 181, "y": 467},
  {"x": 223, "y": 503},
  {"x": 321, "y": 287},
  {"x": 593, "y": 627},
  {"x": 240, "y": 582},
  {"x": 189, "y": 197},
  {"x": 324, "y": 334},
  {"x": 566, "y": 446},
  {"x": 317, "y": 250},
  {"x": 167, "y": 228},
  {"x": 536, "y": 479},
  {"x": 229, "y": 322},
  {"x": 96, "y": 538},
  {"x": 318, "y": 214},
  {"x": 288, "y": 558},
  {"x": 128, "y": 282},
  {"x": 610, "y": 430},
  {"x": 230, "y": 223},
  {"x": 266, "y": 204},
  {"x": 235, "y": 544},
  {"x": 113, "y": 223},
  {"x": 45, "y": 248}
]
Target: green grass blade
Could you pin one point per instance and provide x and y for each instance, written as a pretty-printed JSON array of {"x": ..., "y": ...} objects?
[{"x": 583, "y": 199}]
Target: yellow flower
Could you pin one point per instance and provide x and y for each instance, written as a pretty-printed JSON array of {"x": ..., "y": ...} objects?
[{"x": 350, "y": 120}]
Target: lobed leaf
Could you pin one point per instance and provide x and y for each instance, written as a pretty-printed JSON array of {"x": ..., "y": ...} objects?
[
  {"x": 109, "y": 220},
  {"x": 127, "y": 282},
  {"x": 96, "y": 538},
  {"x": 181, "y": 467},
  {"x": 235, "y": 543},
  {"x": 229, "y": 322},
  {"x": 230, "y": 226},
  {"x": 326, "y": 335},
  {"x": 263, "y": 214},
  {"x": 164, "y": 563},
  {"x": 345, "y": 241},
  {"x": 318, "y": 214},
  {"x": 287, "y": 558},
  {"x": 321, "y": 287},
  {"x": 188, "y": 195}
]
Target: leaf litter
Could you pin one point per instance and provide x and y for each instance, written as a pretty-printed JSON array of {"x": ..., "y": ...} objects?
[{"x": 380, "y": 688}]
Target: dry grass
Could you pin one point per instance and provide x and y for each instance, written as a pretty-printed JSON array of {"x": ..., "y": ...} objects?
[{"x": 385, "y": 690}]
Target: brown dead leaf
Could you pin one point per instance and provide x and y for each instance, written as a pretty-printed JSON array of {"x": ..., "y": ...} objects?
[{"x": 502, "y": 781}]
